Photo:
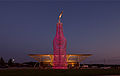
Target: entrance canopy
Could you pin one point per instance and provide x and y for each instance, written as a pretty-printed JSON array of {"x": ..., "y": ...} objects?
[{"x": 71, "y": 58}]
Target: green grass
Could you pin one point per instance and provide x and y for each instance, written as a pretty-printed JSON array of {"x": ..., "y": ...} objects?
[{"x": 50, "y": 72}]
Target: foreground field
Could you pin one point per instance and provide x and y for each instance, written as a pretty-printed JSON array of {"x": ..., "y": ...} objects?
[{"x": 71, "y": 72}]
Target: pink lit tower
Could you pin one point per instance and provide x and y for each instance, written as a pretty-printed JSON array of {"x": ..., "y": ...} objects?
[{"x": 59, "y": 47}]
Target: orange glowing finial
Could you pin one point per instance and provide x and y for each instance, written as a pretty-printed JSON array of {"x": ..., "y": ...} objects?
[{"x": 60, "y": 16}]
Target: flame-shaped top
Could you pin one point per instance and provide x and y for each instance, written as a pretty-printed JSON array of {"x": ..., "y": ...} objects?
[{"x": 60, "y": 16}]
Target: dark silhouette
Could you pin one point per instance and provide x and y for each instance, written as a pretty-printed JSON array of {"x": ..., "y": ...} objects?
[
  {"x": 10, "y": 62},
  {"x": 2, "y": 62}
]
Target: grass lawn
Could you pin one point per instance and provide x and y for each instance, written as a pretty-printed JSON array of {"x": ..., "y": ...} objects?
[{"x": 51, "y": 72}]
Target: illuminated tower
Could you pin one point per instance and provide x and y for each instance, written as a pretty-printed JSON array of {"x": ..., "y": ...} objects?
[{"x": 59, "y": 46}]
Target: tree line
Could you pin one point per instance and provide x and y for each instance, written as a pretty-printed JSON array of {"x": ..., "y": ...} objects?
[{"x": 3, "y": 63}]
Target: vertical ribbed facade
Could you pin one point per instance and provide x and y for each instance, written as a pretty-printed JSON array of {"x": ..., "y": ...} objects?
[{"x": 59, "y": 48}]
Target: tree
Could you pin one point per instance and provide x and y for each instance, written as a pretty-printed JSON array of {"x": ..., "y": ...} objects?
[
  {"x": 2, "y": 62},
  {"x": 10, "y": 62}
]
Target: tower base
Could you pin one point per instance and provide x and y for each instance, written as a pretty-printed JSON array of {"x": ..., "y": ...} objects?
[{"x": 60, "y": 67}]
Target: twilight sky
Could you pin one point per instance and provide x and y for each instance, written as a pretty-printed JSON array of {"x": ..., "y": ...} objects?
[{"x": 28, "y": 27}]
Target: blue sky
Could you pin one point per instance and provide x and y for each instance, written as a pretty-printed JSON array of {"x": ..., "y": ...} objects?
[
  {"x": 59, "y": 0},
  {"x": 89, "y": 27}
]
